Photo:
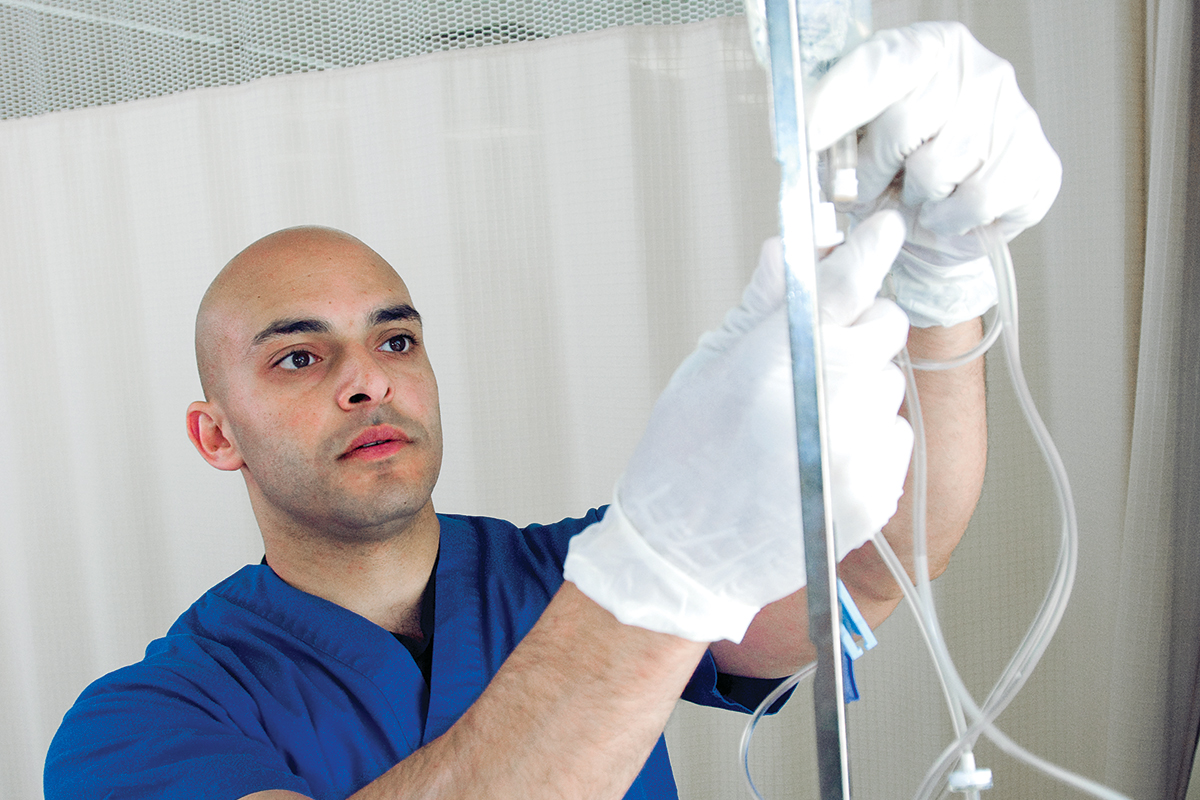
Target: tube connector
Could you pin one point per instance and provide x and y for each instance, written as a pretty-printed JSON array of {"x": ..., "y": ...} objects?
[
  {"x": 825, "y": 228},
  {"x": 972, "y": 780},
  {"x": 845, "y": 185}
]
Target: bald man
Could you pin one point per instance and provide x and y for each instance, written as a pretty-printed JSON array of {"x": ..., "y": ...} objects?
[
  {"x": 383, "y": 650},
  {"x": 341, "y": 489}
]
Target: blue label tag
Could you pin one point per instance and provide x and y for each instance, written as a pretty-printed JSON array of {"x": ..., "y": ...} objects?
[{"x": 852, "y": 624}]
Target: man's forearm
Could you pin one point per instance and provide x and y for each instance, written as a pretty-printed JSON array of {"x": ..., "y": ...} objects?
[
  {"x": 954, "y": 413},
  {"x": 574, "y": 712}
]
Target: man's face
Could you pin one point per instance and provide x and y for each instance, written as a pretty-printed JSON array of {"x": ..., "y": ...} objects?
[{"x": 325, "y": 387}]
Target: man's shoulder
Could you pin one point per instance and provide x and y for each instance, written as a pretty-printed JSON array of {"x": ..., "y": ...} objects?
[
  {"x": 248, "y": 592},
  {"x": 209, "y": 691},
  {"x": 248, "y": 627},
  {"x": 194, "y": 644},
  {"x": 493, "y": 526},
  {"x": 247, "y": 622},
  {"x": 499, "y": 542}
]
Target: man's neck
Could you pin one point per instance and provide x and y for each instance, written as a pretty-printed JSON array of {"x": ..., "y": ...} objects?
[{"x": 380, "y": 580}]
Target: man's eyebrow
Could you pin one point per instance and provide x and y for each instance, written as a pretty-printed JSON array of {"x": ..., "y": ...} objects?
[
  {"x": 396, "y": 313},
  {"x": 285, "y": 327}
]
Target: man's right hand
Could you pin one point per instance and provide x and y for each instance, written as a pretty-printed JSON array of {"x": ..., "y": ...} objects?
[{"x": 704, "y": 528}]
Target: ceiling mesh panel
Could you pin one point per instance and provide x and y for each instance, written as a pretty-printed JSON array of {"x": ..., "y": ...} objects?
[{"x": 59, "y": 54}]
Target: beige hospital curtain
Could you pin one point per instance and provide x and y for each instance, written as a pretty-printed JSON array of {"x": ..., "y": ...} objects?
[
  {"x": 570, "y": 213},
  {"x": 1159, "y": 581}
]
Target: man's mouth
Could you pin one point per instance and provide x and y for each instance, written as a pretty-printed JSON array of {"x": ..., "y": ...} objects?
[{"x": 376, "y": 442}]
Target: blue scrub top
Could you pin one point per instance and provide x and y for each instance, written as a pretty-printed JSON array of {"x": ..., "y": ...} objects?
[{"x": 261, "y": 686}]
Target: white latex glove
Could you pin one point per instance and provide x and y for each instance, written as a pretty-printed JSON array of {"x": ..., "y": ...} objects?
[
  {"x": 704, "y": 528},
  {"x": 948, "y": 113}
]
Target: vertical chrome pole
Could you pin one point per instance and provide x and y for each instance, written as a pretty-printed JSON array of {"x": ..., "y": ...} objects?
[{"x": 797, "y": 202}]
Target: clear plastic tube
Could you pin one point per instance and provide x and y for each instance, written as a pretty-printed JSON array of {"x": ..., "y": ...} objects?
[
  {"x": 918, "y": 596},
  {"x": 921, "y": 602},
  {"x": 989, "y": 338},
  {"x": 748, "y": 732},
  {"x": 1050, "y": 614}
]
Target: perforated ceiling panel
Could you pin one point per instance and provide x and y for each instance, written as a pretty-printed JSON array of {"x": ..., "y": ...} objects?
[{"x": 59, "y": 54}]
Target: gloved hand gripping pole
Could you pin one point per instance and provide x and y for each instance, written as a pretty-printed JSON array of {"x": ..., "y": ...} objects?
[{"x": 796, "y": 206}]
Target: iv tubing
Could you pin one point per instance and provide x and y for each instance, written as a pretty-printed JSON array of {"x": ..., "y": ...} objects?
[
  {"x": 768, "y": 701},
  {"x": 919, "y": 597},
  {"x": 1046, "y": 621},
  {"x": 989, "y": 339},
  {"x": 923, "y": 602}
]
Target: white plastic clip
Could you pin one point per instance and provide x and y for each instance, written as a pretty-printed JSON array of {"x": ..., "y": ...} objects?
[
  {"x": 969, "y": 780},
  {"x": 853, "y": 624}
]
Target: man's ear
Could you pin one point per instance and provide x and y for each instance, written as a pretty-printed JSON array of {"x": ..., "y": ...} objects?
[{"x": 205, "y": 426}]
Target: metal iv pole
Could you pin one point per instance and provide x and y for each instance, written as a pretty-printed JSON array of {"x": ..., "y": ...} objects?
[{"x": 797, "y": 202}]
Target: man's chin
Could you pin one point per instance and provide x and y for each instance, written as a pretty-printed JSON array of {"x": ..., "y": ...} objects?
[{"x": 376, "y": 521}]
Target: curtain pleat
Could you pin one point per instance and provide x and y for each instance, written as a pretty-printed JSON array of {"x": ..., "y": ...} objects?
[
  {"x": 1145, "y": 699},
  {"x": 1183, "y": 723}
]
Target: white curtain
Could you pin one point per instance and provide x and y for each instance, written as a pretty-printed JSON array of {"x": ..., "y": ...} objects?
[{"x": 569, "y": 215}]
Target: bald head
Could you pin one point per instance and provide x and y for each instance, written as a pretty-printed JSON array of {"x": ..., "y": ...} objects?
[
  {"x": 307, "y": 342},
  {"x": 282, "y": 271}
]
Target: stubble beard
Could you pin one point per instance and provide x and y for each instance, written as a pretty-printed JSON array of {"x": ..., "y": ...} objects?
[{"x": 319, "y": 496}]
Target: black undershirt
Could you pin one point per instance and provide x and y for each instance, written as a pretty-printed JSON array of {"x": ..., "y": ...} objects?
[{"x": 422, "y": 649}]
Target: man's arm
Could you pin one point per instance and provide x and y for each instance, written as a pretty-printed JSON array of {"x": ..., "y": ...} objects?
[
  {"x": 953, "y": 406},
  {"x": 573, "y": 713},
  {"x": 580, "y": 703},
  {"x": 950, "y": 138}
]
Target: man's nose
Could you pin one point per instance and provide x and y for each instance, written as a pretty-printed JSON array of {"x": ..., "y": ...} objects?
[{"x": 363, "y": 381}]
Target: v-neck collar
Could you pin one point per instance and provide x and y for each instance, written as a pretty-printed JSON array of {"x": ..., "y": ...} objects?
[{"x": 459, "y": 673}]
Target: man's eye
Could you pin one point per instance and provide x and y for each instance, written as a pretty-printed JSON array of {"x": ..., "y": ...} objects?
[
  {"x": 297, "y": 360},
  {"x": 398, "y": 344}
]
